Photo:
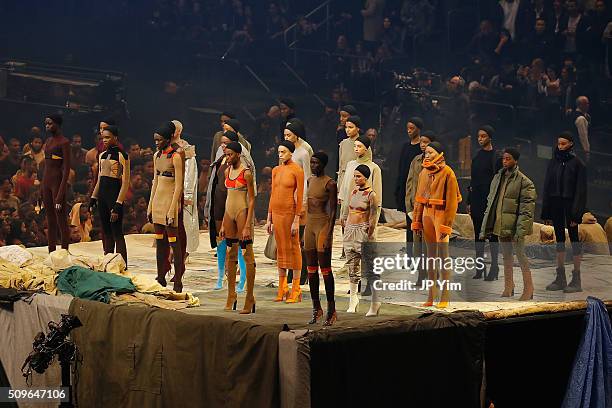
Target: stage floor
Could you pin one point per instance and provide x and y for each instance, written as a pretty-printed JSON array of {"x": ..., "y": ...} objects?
[{"x": 201, "y": 276}]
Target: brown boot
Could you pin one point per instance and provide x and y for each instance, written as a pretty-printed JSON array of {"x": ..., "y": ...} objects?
[
  {"x": 508, "y": 278},
  {"x": 527, "y": 284},
  {"x": 231, "y": 264},
  {"x": 249, "y": 302}
]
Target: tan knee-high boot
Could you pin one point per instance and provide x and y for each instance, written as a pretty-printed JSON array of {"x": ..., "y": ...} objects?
[
  {"x": 231, "y": 263},
  {"x": 249, "y": 301},
  {"x": 527, "y": 283}
]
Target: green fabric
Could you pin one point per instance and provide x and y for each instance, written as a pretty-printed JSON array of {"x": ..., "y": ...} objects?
[
  {"x": 517, "y": 205},
  {"x": 87, "y": 284}
]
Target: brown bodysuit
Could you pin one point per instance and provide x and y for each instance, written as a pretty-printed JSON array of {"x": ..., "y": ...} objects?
[{"x": 54, "y": 184}]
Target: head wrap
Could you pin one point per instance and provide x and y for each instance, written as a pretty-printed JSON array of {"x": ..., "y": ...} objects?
[
  {"x": 290, "y": 104},
  {"x": 488, "y": 129},
  {"x": 113, "y": 129},
  {"x": 235, "y": 146},
  {"x": 365, "y": 140},
  {"x": 323, "y": 158},
  {"x": 165, "y": 131},
  {"x": 297, "y": 127},
  {"x": 355, "y": 120},
  {"x": 289, "y": 145},
  {"x": 567, "y": 135},
  {"x": 350, "y": 109},
  {"x": 513, "y": 152},
  {"x": 56, "y": 118},
  {"x": 228, "y": 114},
  {"x": 437, "y": 146},
  {"x": 429, "y": 134},
  {"x": 178, "y": 126},
  {"x": 109, "y": 121},
  {"x": 416, "y": 121},
  {"x": 365, "y": 170},
  {"x": 233, "y": 136},
  {"x": 234, "y": 123}
]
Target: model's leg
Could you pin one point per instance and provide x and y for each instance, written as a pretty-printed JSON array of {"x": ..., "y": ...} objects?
[
  {"x": 446, "y": 274},
  {"x": 243, "y": 272},
  {"x": 575, "y": 284},
  {"x": 221, "y": 252},
  {"x": 353, "y": 261},
  {"x": 494, "y": 250},
  {"x": 478, "y": 243},
  {"x": 524, "y": 262},
  {"x": 62, "y": 223},
  {"x": 51, "y": 218},
  {"x": 230, "y": 269},
  {"x": 312, "y": 266},
  {"x": 558, "y": 220},
  {"x": 108, "y": 241},
  {"x": 179, "y": 258},
  {"x": 161, "y": 251},
  {"x": 249, "y": 257},
  {"x": 117, "y": 233},
  {"x": 506, "y": 244},
  {"x": 429, "y": 236}
]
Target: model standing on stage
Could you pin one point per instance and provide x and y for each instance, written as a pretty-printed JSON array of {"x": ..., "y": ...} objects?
[
  {"x": 359, "y": 223},
  {"x": 189, "y": 227},
  {"x": 55, "y": 181},
  {"x": 436, "y": 200},
  {"x": 563, "y": 204},
  {"x": 322, "y": 206},
  {"x": 237, "y": 229},
  {"x": 214, "y": 210},
  {"x": 484, "y": 166},
  {"x": 509, "y": 215},
  {"x": 165, "y": 203},
  {"x": 110, "y": 191},
  {"x": 284, "y": 220}
]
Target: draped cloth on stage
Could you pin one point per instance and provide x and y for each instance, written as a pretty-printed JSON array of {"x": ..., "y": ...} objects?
[
  {"x": 139, "y": 356},
  {"x": 590, "y": 384},
  {"x": 87, "y": 284}
]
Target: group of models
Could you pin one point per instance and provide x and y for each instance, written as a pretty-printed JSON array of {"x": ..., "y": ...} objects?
[{"x": 304, "y": 205}]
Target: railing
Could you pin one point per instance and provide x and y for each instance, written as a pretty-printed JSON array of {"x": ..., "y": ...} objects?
[{"x": 291, "y": 31}]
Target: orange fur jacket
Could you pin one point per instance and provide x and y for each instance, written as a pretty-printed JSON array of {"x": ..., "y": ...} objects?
[{"x": 437, "y": 186}]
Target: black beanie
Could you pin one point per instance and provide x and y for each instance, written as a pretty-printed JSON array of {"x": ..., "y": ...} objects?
[
  {"x": 289, "y": 145},
  {"x": 429, "y": 134},
  {"x": 297, "y": 127},
  {"x": 290, "y": 104},
  {"x": 489, "y": 129},
  {"x": 113, "y": 129},
  {"x": 165, "y": 131},
  {"x": 233, "y": 136},
  {"x": 56, "y": 118},
  {"x": 365, "y": 170},
  {"x": 350, "y": 109},
  {"x": 235, "y": 146},
  {"x": 365, "y": 140},
  {"x": 234, "y": 123},
  {"x": 513, "y": 152},
  {"x": 323, "y": 158},
  {"x": 567, "y": 135},
  {"x": 355, "y": 120},
  {"x": 418, "y": 122},
  {"x": 437, "y": 147}
]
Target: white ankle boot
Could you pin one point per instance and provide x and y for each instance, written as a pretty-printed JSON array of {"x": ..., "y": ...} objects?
[
  {"x": 353, "y": 299},
  {"x": 374, "y": 308}
]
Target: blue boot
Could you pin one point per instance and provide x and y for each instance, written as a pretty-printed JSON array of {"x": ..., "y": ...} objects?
[
  {"x": 242, "y": 266},
  {"x": 221, "y": 251}
]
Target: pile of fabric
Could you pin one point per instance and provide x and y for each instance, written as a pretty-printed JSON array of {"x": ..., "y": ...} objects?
[{"x": 105, "y": 279}]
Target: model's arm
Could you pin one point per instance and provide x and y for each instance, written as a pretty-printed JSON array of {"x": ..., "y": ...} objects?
[
  {"x": 583, "y": 132},
  {"x": 332, "y": 190},
  {"x": 419, "y": 201},
  {"x": 179, "y": 176},
  {"x": 153, "y": 190},
  {"x": 409, "y": 192},
  {"x": 580, "y": 194},
  {"x": 247, "y": 231},
  {"x": 96, "y": 189},
  {"x": 299, "y": 199},
  {"x": 269, "y": 220},
  {"x": 125, "y": 178},
  {"x": 451, "y": 201},
  {"x": 527, "y": 204},
  {"x": 372, "y": 214},
  {"x": 61, "y": 192}
]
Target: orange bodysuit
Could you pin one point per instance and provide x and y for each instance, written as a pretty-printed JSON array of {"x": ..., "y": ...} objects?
[
  {"x": 436, "y": 200},
  {"x": 285, "y": 203}
]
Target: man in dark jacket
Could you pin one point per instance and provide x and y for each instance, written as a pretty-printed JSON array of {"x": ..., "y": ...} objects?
[
  {"x": 484, "y": 166},
  {"x": 410, "y": 150},
  {"x": 509, "y": 216},
  {"x": 563, "y": 204}
]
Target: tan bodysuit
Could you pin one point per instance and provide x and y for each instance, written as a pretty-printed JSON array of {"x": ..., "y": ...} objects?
[{"x": 317, "y": 224}]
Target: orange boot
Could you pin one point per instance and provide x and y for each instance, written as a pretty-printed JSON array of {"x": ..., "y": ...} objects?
[
  {"x": 283, "y": 289},
  {"x": 296, "y": 291}
]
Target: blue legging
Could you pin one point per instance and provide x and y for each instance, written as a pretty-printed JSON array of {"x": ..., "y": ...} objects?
[{"x": 221, "y": 252}]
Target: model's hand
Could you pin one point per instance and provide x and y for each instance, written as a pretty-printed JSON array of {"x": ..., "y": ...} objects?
[
  {"x": 150, "y": 217},
  {"x": 573, "y": 223},
  {"x": 295, "y": 228},
  {"x": 269, "y": 227},
  {"x": 58, "y": 207},
  {"x": 246, "y": 234},
  {"x": 222, "y": 232},
  {"x": 419, "y": 233},
  {"x": 114, "y": 216},
  {"x": 443, "y": 235},
  {"x": 93, "y": 204},
  {"x": 169, "y": 219},
  {"x": 343, "y": 223}
]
